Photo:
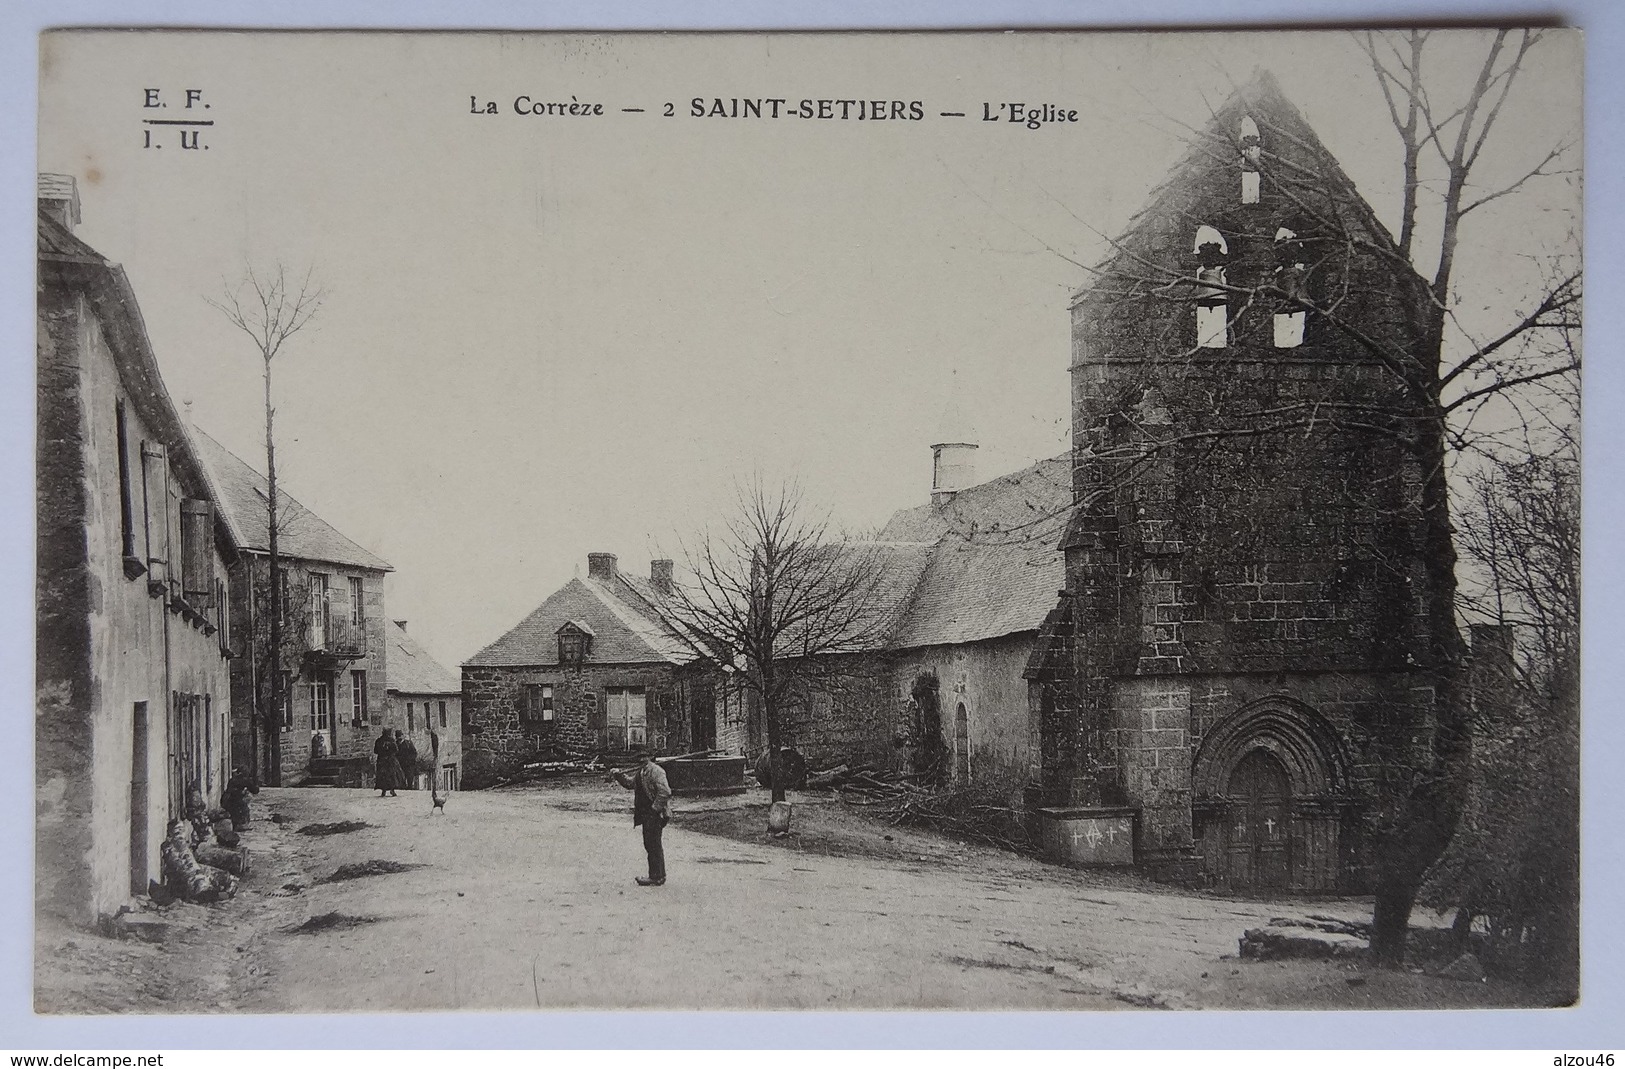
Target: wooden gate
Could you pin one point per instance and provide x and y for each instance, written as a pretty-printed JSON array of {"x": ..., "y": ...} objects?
[{"x": 1258, "y": 852}]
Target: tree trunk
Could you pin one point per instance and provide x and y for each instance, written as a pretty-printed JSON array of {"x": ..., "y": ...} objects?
[
  {"x": 1390, "y": 920},
  {"x": 770, "y": 715},
  {"x": 273, "y": 720}
]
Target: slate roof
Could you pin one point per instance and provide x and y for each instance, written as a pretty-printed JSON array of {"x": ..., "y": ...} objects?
[
  {"x": 1032, "y": 502},
  {"x": 972, "y": 592},
  {"x": 66, "y": 261},
  {"x": 983, "y": 566},
  {"x": 413, "y": 671},
  {"x": 626, "y": 625},
  {"x": 241, "y": 493},
  {"x": 990, "y": 565}
]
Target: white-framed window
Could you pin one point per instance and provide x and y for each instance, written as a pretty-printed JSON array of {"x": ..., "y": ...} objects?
[
  {"x": 321, "y": 613},
  {"x": 321, "y": 704},
  {"x": 536, "y": 708},
  {"x": 358, "y": 697},
  {"x": 358, "y": 602}
]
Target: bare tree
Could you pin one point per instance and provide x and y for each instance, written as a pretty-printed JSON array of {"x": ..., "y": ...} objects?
[
  {"x": 1447, "y": 388},
  {"x": 270, "y": 310},
  {"x": 1514, "y": 861},
  {"x": 774, "y": 596}
]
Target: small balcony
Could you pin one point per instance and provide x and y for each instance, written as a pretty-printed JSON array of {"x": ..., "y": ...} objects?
[{"x": 339, "y": 643}]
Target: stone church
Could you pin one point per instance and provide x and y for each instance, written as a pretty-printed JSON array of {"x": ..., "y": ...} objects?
[{"x": 1239, "y": 655}]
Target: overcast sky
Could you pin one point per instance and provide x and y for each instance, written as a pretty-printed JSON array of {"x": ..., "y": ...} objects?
[{"x": 544, "y": 336}]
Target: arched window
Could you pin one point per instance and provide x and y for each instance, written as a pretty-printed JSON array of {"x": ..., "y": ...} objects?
[
  {"x": 1291, "y": 278},
  {"x": 1252, "y": 153},
  {"x": 1212, "y": 316}
]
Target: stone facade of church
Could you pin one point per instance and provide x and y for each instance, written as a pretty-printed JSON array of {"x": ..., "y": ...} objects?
[{"x": 1239, "y": 653}]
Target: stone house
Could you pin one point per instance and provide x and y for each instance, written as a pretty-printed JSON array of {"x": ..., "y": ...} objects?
[
  {"x": 967, "y": 581},
  {"x": 597, "y": 667},
  {"x": 1239, "y": 655},
  {"x": 425, "y": 696},
  {"x": 335, "y": 646},
  {"x": 132, "y": 640}
]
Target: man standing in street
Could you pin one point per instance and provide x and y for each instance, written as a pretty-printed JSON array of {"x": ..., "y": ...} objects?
[{"x": 651, "y": 809}]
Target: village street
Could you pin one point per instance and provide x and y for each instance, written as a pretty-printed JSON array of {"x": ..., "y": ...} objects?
[{"x": 523, "y": 898}]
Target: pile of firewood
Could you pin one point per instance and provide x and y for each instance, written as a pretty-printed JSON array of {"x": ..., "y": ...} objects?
[
  {"x": 558, "y": 762},
  {"x": 862, "y": 784},
  {"x": 897, "y": 798},
  {"x": 965, "y": 813}
]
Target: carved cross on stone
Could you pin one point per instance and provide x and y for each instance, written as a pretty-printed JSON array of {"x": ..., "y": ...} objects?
[{"x": 1269, "y": 827}]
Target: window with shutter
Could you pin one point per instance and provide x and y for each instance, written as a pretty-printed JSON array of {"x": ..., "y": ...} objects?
[
  {"x": 197, "y": 556},
  {"x": 154, "y": 514},
  {"x": 321, "y": 613},
  {"x": 126, "y": 499}
]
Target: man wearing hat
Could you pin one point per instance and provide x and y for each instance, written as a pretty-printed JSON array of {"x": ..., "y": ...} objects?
[{"x": 651, "y": 809}]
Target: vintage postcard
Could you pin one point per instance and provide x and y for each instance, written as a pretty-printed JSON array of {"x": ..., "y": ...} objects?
[{"x": 1041, "y": 520}]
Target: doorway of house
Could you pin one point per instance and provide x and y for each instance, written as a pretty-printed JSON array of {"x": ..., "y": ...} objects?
[
  {"x": 1257, "y": 851},
  {"x": 321, "y": 716},
  {"x": 140, "y": 780},
  {"x": 628, "y": 718}
]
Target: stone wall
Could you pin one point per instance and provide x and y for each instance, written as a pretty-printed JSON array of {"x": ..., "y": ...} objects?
[
  {"x": 418, "y": 728},
  {"x": 1250, "y": 528},
  {"x": 854, "y": 709},
  {"x": 988, "y": 679},
  {"x": 132, "y": 685},
  {"x": 348, "y": 737},
  {"x": 497, "y": 739}
]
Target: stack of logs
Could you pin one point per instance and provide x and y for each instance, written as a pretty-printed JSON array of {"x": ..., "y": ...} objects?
[{"x": 899, "y": 798}]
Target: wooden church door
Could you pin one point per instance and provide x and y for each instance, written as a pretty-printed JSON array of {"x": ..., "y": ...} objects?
[{"x": 1262, "y": 795}]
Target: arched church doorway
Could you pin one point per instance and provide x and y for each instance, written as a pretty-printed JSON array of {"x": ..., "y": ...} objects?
[
  {"x": 1258, "y": 850},
  {"x": 1268, "y": 797}
]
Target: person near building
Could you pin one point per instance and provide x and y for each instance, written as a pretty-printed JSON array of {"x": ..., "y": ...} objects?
[
  {"x": 406, "y": 752},
  {"x": 651, "y": 810},
  {"x": 388, "y": 772},
  {"x": 238, "y": 788}
]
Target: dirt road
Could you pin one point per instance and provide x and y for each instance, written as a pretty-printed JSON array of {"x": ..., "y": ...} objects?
[{"x": 521, "y": 899}]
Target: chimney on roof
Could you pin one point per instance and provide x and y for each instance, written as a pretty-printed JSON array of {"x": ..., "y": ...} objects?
[
  {"x": 59, "y": 197},
  {"x": 602, "y": 567},
  {"x": 953, "y": 456},
  {"x": 660, "y": 575}
]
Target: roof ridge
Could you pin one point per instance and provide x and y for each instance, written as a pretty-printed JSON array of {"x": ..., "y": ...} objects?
[
  {"x": 349, "y": 552},
  {"x": 620, "y": 608}
]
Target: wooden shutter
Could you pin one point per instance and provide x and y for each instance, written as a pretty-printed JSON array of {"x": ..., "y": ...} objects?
[
  {"x": 154, "y": 506},
  {"x": 197, "y": 557}
]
